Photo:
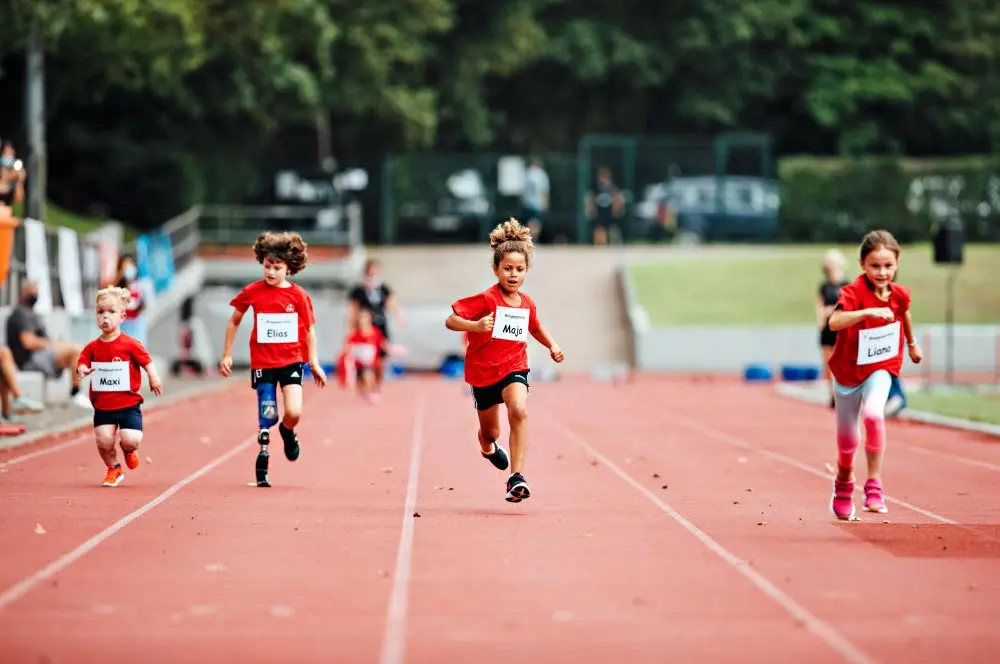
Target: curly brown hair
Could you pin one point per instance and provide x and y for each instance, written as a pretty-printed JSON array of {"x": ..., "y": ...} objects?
[
  {"x": 511, "y": 237},
  {"x": 289, "y": 248},
  {"x": 878, "y": 240}
]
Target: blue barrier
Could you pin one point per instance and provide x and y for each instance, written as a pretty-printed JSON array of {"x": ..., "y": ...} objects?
[
  {"x": 453, "y": 369},
  {"x": 798, "y": 372},
  {"x": 757, "y": 373}
]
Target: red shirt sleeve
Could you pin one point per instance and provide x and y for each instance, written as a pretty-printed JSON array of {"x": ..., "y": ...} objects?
[
  {"x": 243, "y": 299},
  {"x": 140, "y": 354},
  {"x": 471, "y": 308},
  {"x": 86, "y": 355},
  {"x": 533, "y": 323},
  {"x": 847, "y": 300},
  {"x": 905, "y": 298},
  {"x": 307, "y": 306}
]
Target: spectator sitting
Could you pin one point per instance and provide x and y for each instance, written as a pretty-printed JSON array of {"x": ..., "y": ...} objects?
[
  {"x": 9, "y": 387},
  {"x": 34, "y": 351}
]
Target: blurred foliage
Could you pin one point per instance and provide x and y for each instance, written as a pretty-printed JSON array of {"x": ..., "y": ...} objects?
[{"x": 154, "y": 104}]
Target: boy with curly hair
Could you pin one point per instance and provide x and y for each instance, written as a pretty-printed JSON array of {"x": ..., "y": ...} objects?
[{"x": 283, "y": 316}]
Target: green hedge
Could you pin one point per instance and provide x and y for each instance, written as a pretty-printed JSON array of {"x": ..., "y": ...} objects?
[{"x": 836, "y": 199}]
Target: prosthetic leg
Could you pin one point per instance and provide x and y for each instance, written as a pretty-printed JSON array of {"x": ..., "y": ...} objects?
[{"x": 267, "y": 417}]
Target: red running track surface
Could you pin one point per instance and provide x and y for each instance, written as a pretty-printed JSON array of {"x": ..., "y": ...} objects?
[{"x": 670, "y": 521}]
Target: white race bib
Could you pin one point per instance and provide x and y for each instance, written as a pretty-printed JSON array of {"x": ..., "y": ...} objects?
[
  {"x": 363, "y": 353},
  {"x": 511, "y": 323},
  {"x": 110, "y": 377},
  {"x": 878, "y": 343},
  {"x": 277, "y": 328}
]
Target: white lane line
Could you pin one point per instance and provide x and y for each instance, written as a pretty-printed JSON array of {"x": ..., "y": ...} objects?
[
  {"x": 16, "y": 591},
  {"x": 821, "y": 629},
  {"x": 746, "y": 445},
  {"x": 394, "y": 637}
]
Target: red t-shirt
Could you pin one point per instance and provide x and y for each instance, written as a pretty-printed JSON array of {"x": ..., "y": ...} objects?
[
  {"x": 117, "y": 376},
  {"x": 364, "y": 348},
  {"x": 872, "y": 344},
  {"x": 282, "y": 318},
  {"x": 493, "y": 355}
]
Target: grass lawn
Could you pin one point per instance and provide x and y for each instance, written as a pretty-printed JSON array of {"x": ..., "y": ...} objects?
[
  {"x": 967, "y": 405},
  {"x": 779, "y": 286}
]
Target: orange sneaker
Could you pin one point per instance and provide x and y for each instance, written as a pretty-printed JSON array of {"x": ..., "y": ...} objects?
[
  {"x": 115, "y": 476},
  {"x": 132, "y": 460}
]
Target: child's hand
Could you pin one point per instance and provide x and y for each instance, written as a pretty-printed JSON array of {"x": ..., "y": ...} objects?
[
  {"x": 882, "y": 313},
  {"x": 556, "y": 353},
  {"x": 485, "y": 324},
  {"x": 226, "y": 366},
  {"x": 156, "y": 386},
  {"x": 915, "y": 354},
  {"x": 83, "y": 370},
  {"x": 319, "y": 376}
]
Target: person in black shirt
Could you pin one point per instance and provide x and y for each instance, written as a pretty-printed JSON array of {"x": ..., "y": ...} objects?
[
  {"x": 605, "y": 207},
  {"x": 829, "y": 291},
  {"x": 373, "y": 295}
]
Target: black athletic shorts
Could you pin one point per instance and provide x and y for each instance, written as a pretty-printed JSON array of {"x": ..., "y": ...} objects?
[
  {"x": 123, "y": 418},
  {"x": 287, "y": 375},
  {"x": 486, "y": 397}
]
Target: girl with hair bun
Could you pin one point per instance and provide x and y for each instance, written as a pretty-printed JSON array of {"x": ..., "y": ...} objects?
[{"x": 497, "y": 323}]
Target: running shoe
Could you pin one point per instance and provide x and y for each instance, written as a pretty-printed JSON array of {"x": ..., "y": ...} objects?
[
  {"x": 498, "y": 457},
  {"x": 517, "y": 489},
  {"x": 874, "y": 500},
  {"x": 842, "y": 503}
]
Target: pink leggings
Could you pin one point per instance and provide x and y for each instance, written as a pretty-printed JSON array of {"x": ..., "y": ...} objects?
[{"x": 864, "y": 404}]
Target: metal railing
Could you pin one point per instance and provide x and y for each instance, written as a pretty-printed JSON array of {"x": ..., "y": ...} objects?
[{"x": 334, "y": 225}]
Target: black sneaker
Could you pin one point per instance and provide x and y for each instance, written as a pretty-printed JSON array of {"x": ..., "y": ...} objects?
[
  {"x": 498, "y": 458},
  {"x": 291, "y": 442},
  {"x": 517, "y": 489}
]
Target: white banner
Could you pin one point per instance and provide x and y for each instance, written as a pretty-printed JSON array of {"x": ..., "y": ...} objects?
[
  {"x": 36, "y": 256},
  {"x": 70, "y": 277},
  {"x": 91, "y": 270}
]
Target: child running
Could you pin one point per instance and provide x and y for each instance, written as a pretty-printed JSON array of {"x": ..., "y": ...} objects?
[
  {"x": 498, "y": 322},
  {"x": 114, "y": 360},
  {"x": 283, "y": 314},
  {"x": 364, "y": 349},
  {"x": 871, "y": 317}
]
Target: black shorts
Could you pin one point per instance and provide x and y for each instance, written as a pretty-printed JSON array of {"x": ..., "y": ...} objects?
[
  {"x": 287, "y": 375},
  {"x": 384, "y": 329},
  {"x": 485, "y": 398},
  {"x": 123, "y": 418},
  {"x": 827, "y": 337}
]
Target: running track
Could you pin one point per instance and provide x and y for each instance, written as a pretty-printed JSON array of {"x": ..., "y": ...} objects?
[{"x": 671, "y": 521}]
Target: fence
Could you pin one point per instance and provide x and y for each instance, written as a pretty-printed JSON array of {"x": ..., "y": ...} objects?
[
  {"x": 87, "y": 256},
  {"x": 732, "y": 181},
  {"x": 428, "y": 197}
]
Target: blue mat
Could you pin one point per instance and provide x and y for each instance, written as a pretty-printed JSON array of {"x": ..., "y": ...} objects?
[{"x": 757, "y": 373}]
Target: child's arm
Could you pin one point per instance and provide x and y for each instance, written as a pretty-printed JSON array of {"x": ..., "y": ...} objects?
[
  {"x": 915, "y": 354},
  {"x": 841, "y": 319},
  {"x": 317, "y": 371},
  {"x": 83, "y": 367},
  {"x": 226, "y": 365},
  {"x": 456, "y": 323},
  {"x": 154, "y": 378},
  {"x": 543, "y": 337}
]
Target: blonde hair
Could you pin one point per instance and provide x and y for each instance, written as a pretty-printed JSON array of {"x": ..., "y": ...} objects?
[
  {"x": 511, "y": 237},
  {"x": 121, "y": 296}
]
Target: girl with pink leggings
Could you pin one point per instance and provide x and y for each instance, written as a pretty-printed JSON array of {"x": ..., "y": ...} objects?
[{"x": 872, "y": 318}]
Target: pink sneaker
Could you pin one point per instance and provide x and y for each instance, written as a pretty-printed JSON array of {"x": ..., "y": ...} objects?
[
  {"x": 842, "y": 504},
  {"x": 874, "y": 502}
]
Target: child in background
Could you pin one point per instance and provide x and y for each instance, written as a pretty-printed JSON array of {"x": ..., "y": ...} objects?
[
  {"x": 283, "y": 315},
  {"x": 871, "y": 318},
  {"x": 829, "y": 291},
  {"x": 364, "y": 349},
  {"x": 113, "y": 360},
  {"x": 498, "y": 322}
]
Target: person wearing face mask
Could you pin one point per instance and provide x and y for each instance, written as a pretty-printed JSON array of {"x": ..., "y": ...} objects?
[
  {"x": 375, "y": 296},
  {"x": 127, "y": 277},
  {"x": 34, "y": 351}
]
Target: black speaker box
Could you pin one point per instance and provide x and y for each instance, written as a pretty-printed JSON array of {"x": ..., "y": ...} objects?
[{"x": 949, "y": 243}]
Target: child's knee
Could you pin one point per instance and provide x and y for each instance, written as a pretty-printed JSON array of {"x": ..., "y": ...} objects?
[
  {"x": 105, "y": 438},
  {"x": 517, "y": 413},
  {"x": 130, "y": 439},
  {"x": 489, "y": 434},
  {"x": 291, "y": 417}
]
